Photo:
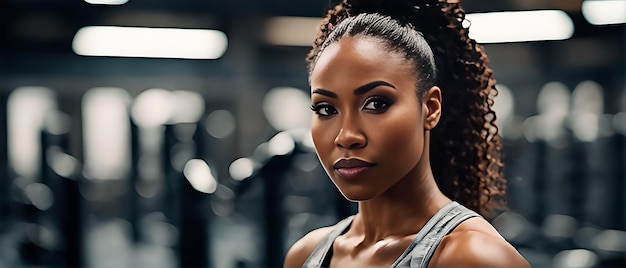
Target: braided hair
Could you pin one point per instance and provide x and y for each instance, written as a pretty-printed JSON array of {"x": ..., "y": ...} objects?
[{"x": 466, "y": 147}]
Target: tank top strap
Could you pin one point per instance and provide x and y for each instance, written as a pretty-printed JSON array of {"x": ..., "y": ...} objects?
[
  {"x": 421, "y": 250},
  {"x": 319, "y": 255}
]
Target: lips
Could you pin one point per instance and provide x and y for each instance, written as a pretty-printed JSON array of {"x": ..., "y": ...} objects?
[
  {"x": 351, "y": 168},
  {"x": 351, "y": 163}
]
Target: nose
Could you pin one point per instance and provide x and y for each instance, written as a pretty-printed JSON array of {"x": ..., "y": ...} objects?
[{"x": 350, "y": 136}]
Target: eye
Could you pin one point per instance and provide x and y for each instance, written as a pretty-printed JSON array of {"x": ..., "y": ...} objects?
[
  {"x": 324, "y": 109},
  {"x": 377, "y": 104}
]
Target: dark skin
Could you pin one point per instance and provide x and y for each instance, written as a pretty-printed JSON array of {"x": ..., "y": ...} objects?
[{"x": 367, "y": 108}]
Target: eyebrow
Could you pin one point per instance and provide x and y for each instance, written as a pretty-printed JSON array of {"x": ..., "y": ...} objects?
[
  {"x": 369, "y": 86},
  {"x": 358, "y": 91},
  {"x": 324, "y": 92}
]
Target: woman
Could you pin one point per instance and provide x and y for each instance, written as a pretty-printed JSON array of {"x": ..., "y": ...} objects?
[{"x": 389, "y": 81}]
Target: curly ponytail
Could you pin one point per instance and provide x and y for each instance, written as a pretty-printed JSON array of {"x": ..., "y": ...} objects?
[{"x": 465, "y": 145}]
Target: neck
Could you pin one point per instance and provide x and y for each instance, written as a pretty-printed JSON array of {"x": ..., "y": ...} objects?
[
  {"x": 404, "y": 208},
  {"x": 401, "y": 211}
]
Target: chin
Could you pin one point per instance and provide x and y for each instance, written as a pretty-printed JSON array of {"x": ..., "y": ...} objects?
[{"x": 356, "y": 195}]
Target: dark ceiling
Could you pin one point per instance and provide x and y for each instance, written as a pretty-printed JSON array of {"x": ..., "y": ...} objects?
[
  {"x": 39, "y": 32},
  {"x": 48, "y": 26}
]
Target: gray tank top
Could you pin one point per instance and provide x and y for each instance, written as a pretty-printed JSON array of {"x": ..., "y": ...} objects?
[{"x": 420, "y": 251}]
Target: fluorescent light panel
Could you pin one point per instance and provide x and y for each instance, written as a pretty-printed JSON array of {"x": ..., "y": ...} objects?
[
  {"x": 106, "y": 2},
  {"x": 494, "y": 27},
  {"x": 605, "y": 11},
  {"x": 144, "y": 42},
  {"x": 520, "y": 26}
]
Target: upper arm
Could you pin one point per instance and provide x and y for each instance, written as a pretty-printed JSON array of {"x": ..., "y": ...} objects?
[
  {"x": 476, "y": 249},
  {"x": 300, "y": 251}
]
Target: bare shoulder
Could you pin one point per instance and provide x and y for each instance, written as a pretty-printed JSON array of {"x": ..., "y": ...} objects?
[
  {"x": 300, "y": 251},
  {"x": 475, "y": 243}
]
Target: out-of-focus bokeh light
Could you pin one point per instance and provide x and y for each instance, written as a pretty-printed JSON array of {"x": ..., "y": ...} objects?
[
  {"x": 513, "y": 227},
  {"x": 601, "y": 12},
  {"x": 286, "y": 108},
  {"x": 152, "y": 108},
  {"x": 187, "y": 107},
  {"x": 306, "y": 162},
  {"x": 42, "y": 236},
  {"x": 241, "y": 169},
  {"x": 220, "y": 124},
  {"x": 199, "y": 174},
  {"x": 519, "y": 26},
  {"x": 27, "y": 109},
  {"x": 115, "y": 41},
  {"x": 559, "y": 227},
  {"x": 575, "y": 258},
  {"x": 291, "y": 31},
  {"x": 619, "y": 122},
  {"x": 281, "y": 144},
  {"x": 158, "y": 230},
  {"x": 588, "y": 97},
  {"x": 106, "y": 128},
  {"x": 62, "y": 163},
  {"x": 39, "y": 195},
  {"x": 553, "y": 107},
  {"x": 610, "y": 240},
  {"x": 587, "y": 109},
  {"x": 553, "y": 100},
  {"x": 57, "y": 123},
  {"x": 109, "y": 245},
  {"x": 223, "y": 203},
  {"x": 151, "y": 179},
  {"x": 261, "y": 153},
  {"x": 157, "y": 106},
  {"x": 307, "y": 141},
  {"x": 504, "y": 104}
]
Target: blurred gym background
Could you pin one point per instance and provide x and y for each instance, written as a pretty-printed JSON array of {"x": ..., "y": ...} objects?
[{"x": 154, "y": 133}]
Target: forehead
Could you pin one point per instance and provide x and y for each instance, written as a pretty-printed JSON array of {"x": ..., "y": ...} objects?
[{"x": 360, "y": 57}]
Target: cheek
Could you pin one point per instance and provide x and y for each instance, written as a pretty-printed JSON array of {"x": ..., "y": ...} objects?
[
  {"x": 322, "y": 135},
  {"x": 400, "y": 134}
]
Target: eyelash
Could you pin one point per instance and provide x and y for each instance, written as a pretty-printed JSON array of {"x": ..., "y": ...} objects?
[
  {"x": 385, "y": 101},
  {"x": 317, "y": 108}
]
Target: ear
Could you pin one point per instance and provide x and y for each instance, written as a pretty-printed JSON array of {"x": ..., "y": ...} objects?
[{"x": 431, "y": 107}]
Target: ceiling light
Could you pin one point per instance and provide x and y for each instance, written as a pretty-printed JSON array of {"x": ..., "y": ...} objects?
[
  {"x": 106, "y": 2},
  {"x": 520, "y": 26},
  {"x": 114, "y": 41},
  {"x": 605, "y": 12}
]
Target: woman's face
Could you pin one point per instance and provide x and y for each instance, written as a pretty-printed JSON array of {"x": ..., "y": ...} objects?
[{"x": 368, "y": 124}]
